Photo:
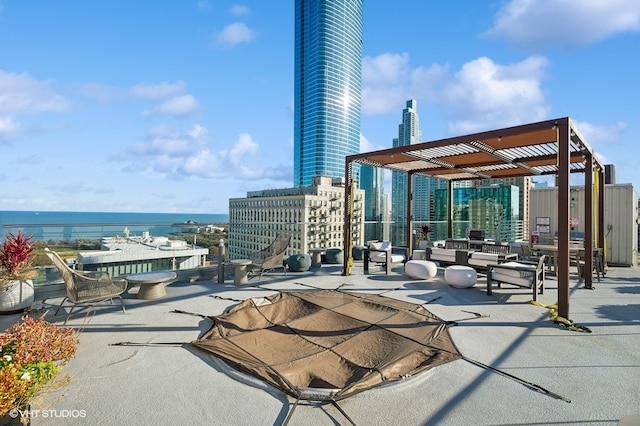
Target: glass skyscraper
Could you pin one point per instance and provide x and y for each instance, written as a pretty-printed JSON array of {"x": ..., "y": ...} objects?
[
  {"x": 493, "y": 209},
  {"x": 409, "y": 133},
  {"x": 327, "y": 87}
]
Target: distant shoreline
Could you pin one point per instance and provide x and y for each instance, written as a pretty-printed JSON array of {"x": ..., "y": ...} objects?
[{"x": 64, "y": 226}]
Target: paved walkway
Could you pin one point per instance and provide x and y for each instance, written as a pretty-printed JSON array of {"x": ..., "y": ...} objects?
[{"x": 160, "y": 385}]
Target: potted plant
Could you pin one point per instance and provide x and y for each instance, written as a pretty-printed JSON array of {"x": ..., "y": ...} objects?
[
  {"x": 16, "y": 273},
  {"x": 425, "y": 230},
  {"x": 31, "y": 354}
]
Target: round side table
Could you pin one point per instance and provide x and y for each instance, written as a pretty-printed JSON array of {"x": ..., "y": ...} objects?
[
  {"x": 240, "y": 271},
  {"x": 316, "y": 256}
]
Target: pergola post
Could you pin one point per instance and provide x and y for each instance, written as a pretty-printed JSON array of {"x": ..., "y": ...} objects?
[
  {"x": 600, "y": 188},
  {"x": 449, "y": 209},
  {"x": 588, "y": 222},
  {"x": 562, "y": 271},
  {"x": 409, "y": 230},
  {"x": 346, "y": 252}
]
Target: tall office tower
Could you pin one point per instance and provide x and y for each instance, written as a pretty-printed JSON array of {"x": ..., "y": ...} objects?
[
  {"x": 423, "y": 187},
  {"x": 327, "y": 88},
  {"x": 372, "y": 183}
]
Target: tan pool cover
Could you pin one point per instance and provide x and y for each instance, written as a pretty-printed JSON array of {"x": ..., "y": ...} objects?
[{"x": 327, "y": 344}]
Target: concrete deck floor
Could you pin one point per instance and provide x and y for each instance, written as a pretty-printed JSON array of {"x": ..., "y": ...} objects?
[{"x": 159, "y": 385}]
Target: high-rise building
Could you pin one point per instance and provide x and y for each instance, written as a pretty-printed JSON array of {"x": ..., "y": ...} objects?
[
  {"x": 423, "y": 186},
  {"x": 327, "y": 87},
  {"x": 524, "y": 185},
  {"x": 313, "y": 215},
  {"x": 493, "y": 209}
]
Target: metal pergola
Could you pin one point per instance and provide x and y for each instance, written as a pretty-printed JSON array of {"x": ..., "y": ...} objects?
[{"x": 552, "y": 147}]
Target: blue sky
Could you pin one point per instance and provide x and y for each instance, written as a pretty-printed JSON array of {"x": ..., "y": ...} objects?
[{"x": 144, "y": 106}]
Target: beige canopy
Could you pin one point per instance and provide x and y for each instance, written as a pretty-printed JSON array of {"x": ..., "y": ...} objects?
[{"x": 327, "y": 344}]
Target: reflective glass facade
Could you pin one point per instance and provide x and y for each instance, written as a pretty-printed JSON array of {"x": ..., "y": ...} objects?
[
  {"x": 372, "y": 183},
  {"x": 328, "y": 69},
  {"x": 493, "y": 209}
]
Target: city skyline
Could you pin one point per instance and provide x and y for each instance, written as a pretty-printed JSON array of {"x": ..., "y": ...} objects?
[{"x": 125, "y": 107}]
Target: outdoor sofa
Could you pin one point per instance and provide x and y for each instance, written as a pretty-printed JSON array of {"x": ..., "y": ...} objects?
[
  {"x": 447, "y": 254},
  {"x": 489, "y": 254}
]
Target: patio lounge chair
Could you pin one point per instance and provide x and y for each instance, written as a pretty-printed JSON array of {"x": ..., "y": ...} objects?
[
  {"x": 86, "y": 288},
  {"x": 598, "y": 263},
  {"x": 384, "y": 254},
  {"x": 271, "y": 257},
  {"x": 520, "y": 274},
  {"x": 528, "y": 254}
]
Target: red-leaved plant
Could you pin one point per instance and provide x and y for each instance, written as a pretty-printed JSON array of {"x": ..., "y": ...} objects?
[{"x": 16, "y": 258}]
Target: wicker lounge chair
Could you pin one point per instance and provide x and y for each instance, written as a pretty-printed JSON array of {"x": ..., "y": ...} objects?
[
  {"x": 86, "y": 288},
  {"x": 271, "y": 257}
]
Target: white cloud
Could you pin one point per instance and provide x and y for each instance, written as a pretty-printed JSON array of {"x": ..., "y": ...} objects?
[
  {"x": 599, "y": 135},
  {"x": 163, "y": 140},
  {"x": 385, "y": 67},
  {"x": 178, "y": 106},
  {"x": 384, "y": 83},
  {"x": 181, "y": 154},
  {"x": 234, "y": 34},
  {"x": 388, "y": 81},
  {"x": 242, "y": 161},
  {"x": 9, "y": 128},
  {"x": 22, "y": 94},
  {"x": 538, "y": 23},
  {"x": 243, "y": 147},
  {"x": 484, "y": 94},
  {"x": 159, "y": 91},
  {"x": 239, "y": 10},
  {"x": 366, "y": 145}
]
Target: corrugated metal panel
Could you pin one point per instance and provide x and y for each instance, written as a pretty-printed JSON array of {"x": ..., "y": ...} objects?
[
  {"x": 621, "y": 234},
  {"x": 543, "y": 204},
  {"x": 621, "y": 229}
]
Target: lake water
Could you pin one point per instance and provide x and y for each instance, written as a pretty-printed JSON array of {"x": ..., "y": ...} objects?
[{"x": 70, "y": 226}]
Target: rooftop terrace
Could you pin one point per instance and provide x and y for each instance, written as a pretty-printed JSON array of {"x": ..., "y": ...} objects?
[{"x": 177, "y": 384}]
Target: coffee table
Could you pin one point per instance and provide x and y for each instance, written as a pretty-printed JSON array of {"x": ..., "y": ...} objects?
[{"x": 151, "y": 283}]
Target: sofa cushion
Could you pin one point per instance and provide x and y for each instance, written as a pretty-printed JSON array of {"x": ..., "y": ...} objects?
[
  {"x": 443, "y": 252},
  {"x": 386, "y": 245},
  {"x": 508, "y": 279},
  {"x": 516, "y": 274},
  {"x": 493, "y": 257},
  {"x": 382, "y": 258}
]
